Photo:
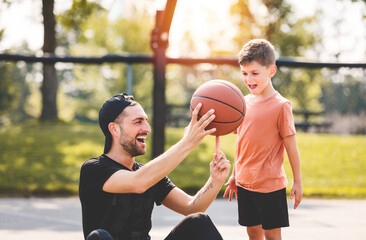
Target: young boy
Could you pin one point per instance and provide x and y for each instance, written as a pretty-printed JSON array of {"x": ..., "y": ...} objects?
[{"x": 258, "y": 178}]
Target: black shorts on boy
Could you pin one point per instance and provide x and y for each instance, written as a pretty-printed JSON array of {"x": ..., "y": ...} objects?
[{"x": 267, "y": 209}]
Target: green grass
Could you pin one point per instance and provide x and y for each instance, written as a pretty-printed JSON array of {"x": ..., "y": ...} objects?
[
  {"x": 42, "y": 158},
  {"x": 333, "y": 165}
]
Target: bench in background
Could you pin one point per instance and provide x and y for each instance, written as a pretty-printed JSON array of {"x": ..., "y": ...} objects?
[{"x": 306, "y": 124}]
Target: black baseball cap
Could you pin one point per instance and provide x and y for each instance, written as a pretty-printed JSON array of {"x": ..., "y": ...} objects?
[{"x": 109, "y": 112}]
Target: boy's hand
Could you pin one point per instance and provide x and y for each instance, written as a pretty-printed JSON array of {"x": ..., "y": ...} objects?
[
  {"x": 220, "y": 167},
  {"x": 231, "y": 188},
  {"x": 296, "y": 191}
]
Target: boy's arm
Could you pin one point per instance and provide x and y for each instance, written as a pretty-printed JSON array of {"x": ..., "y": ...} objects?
[
  {"x": 294, "y": 158},
  {"x": 231, "y": 186}
]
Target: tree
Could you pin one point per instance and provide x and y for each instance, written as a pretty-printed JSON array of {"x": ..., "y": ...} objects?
[
  {"x": 50, "y": 83},
  {"x": 79, "y": 13}
]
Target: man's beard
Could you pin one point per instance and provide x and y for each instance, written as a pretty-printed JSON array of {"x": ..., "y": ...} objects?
[{"x": 129, "y": 145}]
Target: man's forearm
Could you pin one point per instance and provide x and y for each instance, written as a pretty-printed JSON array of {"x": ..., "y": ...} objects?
[
  {"x": 165, "y": 163},
  {"x": 161, "y": 166},
  {"x": 204, "y": 197}
]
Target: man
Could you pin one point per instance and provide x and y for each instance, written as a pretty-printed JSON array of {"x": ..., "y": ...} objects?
[{"x": 117, "y": 194}]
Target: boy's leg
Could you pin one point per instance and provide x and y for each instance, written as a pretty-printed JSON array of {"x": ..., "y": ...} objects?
[
  {"x": 273, "y": 234},
  {"x": 196, "y": 226},
  {"x": 255, "y": 232}
]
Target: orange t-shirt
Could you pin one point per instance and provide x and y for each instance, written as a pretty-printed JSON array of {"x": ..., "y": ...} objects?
[{"x": 260, "y": 149}]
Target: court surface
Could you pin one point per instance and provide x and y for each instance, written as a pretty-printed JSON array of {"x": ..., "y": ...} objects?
[{"x": 60, "y": 219}]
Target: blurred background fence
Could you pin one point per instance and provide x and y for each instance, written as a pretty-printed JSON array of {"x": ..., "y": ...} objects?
[{"x": 326, "y": 98}]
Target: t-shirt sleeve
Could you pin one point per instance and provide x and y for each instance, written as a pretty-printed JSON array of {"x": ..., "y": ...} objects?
[
  {"x": 94, "y": 174},
  {"x": 286, "y": 123},
  {"x": 161, "y": 190}
]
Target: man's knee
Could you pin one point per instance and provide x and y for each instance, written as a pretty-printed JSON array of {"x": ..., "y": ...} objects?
[
  {"x": 99, "y": 234},
  {"x": 199, "y": 218},
  {"x": 197, "y": 226}
]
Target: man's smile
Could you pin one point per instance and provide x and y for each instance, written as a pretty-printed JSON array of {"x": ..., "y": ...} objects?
[{"x": 141, "y": 138}]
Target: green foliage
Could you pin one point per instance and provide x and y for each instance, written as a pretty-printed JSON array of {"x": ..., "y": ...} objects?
[
  {"x": 245, "y": 22},
  {"x": 74, "y": 18},
  {"x": 45, "y": 158},
  {"x": 290, "y": 37},
  {"x": 302, "y": 86},
  {"x": 293, "y": 39},
  {"x": 7, "y": 91},
  {"x": 14, "y": 92},
  {"x": 89, "y": 86},
  {"x": 345, "y": 97}
]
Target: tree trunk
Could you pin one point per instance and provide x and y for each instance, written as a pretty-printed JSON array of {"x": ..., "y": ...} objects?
[{"x": 50, "y": 84}]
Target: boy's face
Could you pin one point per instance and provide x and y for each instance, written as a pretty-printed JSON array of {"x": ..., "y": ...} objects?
[{"x": 257, "y": 77}]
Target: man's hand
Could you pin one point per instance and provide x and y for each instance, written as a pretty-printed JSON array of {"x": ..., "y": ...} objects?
[
  {"x": 181, "y": 202},
  {"x": 195, "y": 131},
  {"x": 220, "y": 167},
  {"x": 231, "y": 188}
]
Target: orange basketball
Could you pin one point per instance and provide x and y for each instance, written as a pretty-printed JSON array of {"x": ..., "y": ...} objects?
[{"x": 228, "y": 102}]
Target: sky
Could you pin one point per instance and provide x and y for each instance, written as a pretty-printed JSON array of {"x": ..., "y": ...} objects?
[{"x": 23, "y": 22}]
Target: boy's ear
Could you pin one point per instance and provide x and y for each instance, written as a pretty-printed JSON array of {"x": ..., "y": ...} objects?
[{"x": 273, "y": 70}]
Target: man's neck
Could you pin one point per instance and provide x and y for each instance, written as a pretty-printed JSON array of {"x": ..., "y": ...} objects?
[{"x": 121, "y": 158}]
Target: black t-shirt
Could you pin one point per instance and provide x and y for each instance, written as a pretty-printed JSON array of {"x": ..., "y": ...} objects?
[{"x": 126, "y": 215}]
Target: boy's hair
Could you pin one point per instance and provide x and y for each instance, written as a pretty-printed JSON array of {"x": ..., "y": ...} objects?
[{"x": 259, "y": 50}]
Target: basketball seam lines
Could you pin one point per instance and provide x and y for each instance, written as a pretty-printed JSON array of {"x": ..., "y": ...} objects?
[
  {"x": 227, "y": 122},
  {"x": 234, "y": 90},
  {"x": 220, "y": 102},
  {"x": 222, "y": 122}
]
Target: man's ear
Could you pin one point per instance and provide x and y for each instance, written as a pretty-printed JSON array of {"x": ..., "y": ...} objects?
[
  {"x": 113, "y": 128},
  {"x": 273, "y": 70}
]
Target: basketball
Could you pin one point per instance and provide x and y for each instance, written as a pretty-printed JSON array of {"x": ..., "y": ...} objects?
[{"x": 228, "y": 102}]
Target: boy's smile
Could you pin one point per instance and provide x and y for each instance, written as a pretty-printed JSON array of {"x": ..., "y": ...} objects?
[{"x": 252, "y": 86}]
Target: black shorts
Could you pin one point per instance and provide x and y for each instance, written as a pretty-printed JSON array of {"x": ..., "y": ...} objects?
[{"x": 266, "y": 209}]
